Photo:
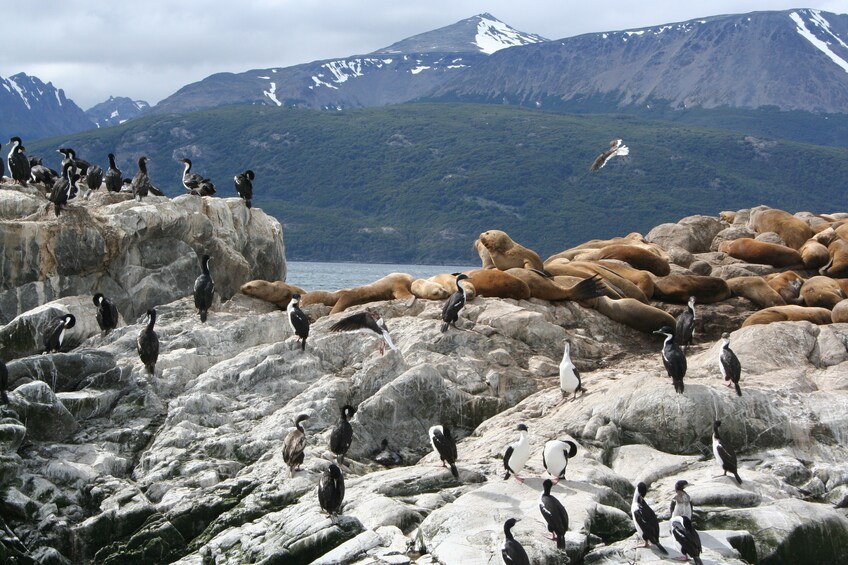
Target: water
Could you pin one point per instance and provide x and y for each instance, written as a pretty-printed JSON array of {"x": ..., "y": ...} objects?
[{"x": 312, "y": 275}]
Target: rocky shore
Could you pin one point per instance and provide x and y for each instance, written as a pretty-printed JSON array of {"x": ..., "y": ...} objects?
[{"x": 101, "y": 462}]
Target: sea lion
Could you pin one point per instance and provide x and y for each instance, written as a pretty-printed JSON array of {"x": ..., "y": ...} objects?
[
  {"x": 498, "y": 284},
  {"x": 814, "y": 254},
  {"x": 621, "y": 286},
  {"x": 727, "y": 216},
  {"x": 635, "y": 256},
  {"x": 789, "y": 313},
  {"x": 632, "y": 313},
  {"x": 821, "y": 291},
  {"x": 485, "y": 257},
  {"x": 787, "y": 284},
  {"x": 634, "y": 240},
  {"x": 755, "y": 289},
  {"x": 678, "y": 288},
  {"x": 837, "y": 266},
  {"x": 392, "y": 286},
  {"x": 760, "y": 252},
  {"x": 507, "y": 254},
  {"x": 324, "y": 297},
  {"x": 792, "y": 230},
  {"x": 839, "y": 314},
  {"x": 275, "y": 292},
  {"x": 448, "y": 282},
  {"x": 546, "y": 288},
  {"x": 640, "y": 278},
  {"x": 425, "y": 288}
]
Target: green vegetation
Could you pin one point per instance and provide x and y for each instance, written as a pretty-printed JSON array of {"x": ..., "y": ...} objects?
[{"x": 419, "y": 182}]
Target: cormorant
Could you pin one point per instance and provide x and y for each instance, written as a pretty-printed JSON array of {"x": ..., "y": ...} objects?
[
  {"x": 450, "y": 312},
  {"x": 244, "y": 186},
  {"x": 148, "y": 343},
  {"x": 204, "y": 289}
]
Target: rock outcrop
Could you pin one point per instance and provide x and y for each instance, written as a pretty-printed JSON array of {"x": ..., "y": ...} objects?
[{"x": 101, "y": 462}]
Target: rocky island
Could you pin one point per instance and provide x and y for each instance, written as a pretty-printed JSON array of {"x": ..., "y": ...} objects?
[{"x": 101, "y": 462}]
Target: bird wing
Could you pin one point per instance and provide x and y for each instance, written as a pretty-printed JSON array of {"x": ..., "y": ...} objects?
[
  {"x": 728, "y": 457},
  {"x": 647, "y": 519},
  {"x": 350, "y": 323},
  {"x": 507, "y": 457},
  {"x": 301, "y": 317},
  {"x": 602, "y": 159},
  {"x": 451, "y": 309},
  {"x": 732, "y": 366}
]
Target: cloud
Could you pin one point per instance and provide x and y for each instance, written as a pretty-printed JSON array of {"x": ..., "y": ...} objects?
[{"x": 148, "y": 50}]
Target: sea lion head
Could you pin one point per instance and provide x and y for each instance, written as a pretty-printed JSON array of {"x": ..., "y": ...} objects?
[{"x": 496, "y": 240}]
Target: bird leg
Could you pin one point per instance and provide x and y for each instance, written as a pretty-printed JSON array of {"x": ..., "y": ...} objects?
[
  {"x": 554, "y": 480},
  {"x": 551, "y": 535},
  {"x": 382, "y": 346},
  {"x": 519, "y": 479}
]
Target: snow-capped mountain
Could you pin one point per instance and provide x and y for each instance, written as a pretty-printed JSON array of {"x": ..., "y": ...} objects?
[
  {"x": 404, "y": 71},
  {"x": 116, "y": 110},
  {"x": 31, "y": 109},
  {"x": 792, "y": 59}
]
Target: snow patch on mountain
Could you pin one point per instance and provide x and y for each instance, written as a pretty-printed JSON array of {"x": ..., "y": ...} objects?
[
  {"x": 494, "y": 35},
  {"x": 819, "y": 44}
]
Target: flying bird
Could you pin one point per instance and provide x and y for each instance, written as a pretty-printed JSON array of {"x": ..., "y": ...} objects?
[
  {"x": 724, "y": 454},
  {"x": 444, "y": 445},
  {"x": 517, "y": 454},
  {"x": 615, "y": 148},
  {"x": 368, "y": 322},
  {"x": 729, "y": 364}
]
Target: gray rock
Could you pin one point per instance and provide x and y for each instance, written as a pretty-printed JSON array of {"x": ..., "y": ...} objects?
[
  {"x": 735, "y": 231},
  {"x": 46, "y": 418},
  {"x": 693, "y": 234}
]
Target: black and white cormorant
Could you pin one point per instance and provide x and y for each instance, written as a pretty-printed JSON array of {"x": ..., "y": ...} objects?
[
  {"x": 93, "y": 179},
  {"x": 331, "y": 490},
  {"x": 443, "y": 443},
  {"x": 569, "y": 376},
  {"x": 81, "y": 165},
  {"x": 294, "y": 445},
  {"x": 686, "y": 535},
  {"x": 517, "y": 454},
  {"x": 724, "y": 454},
  {"x": 298, "y": 321},
  {"x": 554, "y": 514},
  {"x": 342, "y": 434},
  {"x": 673, "y": 358},
  {"x": 368, "y": 322},
  {"x": 113, "y": 177},
  {"x": 18, "y": 163},
  {"x": 194, "y": 183},
  {"x": 54, "y": 334},
  {"x": 684, "y": 327},
  {"x": 148, "y": 343},
  {"x": 40, "y": 173},
  {"x": 681, "y": 503},
  {"x": 4, "y": 381},
  {"x": 244, "y": 186},
  {"x": 645, "y": 519},
  {"x": 141, "y": 182},
  {"x": 450, "y": 312},
  {"x": 555, "y": 457},
  {"x": 386, "y": 456},
  {"x": 107, "y": 313},
  {"x": 204, "y": 289},
  {"x": 615, "y": 148},
  {"x": 729, "y": 364},
  {"x": 512, "y": 552},
  {"x": 64, "y": 188}
]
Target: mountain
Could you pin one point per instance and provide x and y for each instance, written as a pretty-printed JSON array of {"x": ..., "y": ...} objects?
[
  {"x": 413, "y": 183},
  {"x": 791, "y": 60},
  {"x": 31, "y": 109},
  {"x": 116, "y": 110},
  {"x": 404, "y": 71}
]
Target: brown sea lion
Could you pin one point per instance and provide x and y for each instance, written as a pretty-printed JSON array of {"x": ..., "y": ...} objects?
[
  {"x": 839, "y": 314},
  {"x": 546, "y": 288},
  {"x": 498, "y": 284},
  {"x": 760, "y": 252},
  {"x": 755, "y": 289},
  {"x": 448, "y": 281},
  {"x": 678, "y": 288},
  {"x": 814, "y": 254},
  {"x": 485, "y": 257},
  {"x": 837, "y": 266},
  {"x": 821, "y": 291},
  {"x": 632, "y": 313},
  {"x": 792, "y": 230},
  {"x": 507, "y": 254},
  {"x": 636, "y": 256},
  {"x": 727, "y": 216},
  {"x": 621, "y": 286},
  {"x": 275, "y": 292},
  {"x": 789, "y": 313},
  {"x": 394, "y": 285},
  {"x": 324, "y": 297},
  {"x": 431, "y": 290},
  {"x": 633, "y": 238},
  {"x": 640, "y": 278},
  {"x": 787, "y": 284}
]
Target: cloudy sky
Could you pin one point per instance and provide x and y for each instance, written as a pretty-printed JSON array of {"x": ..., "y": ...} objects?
[{"x": 149, "y": 49}]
